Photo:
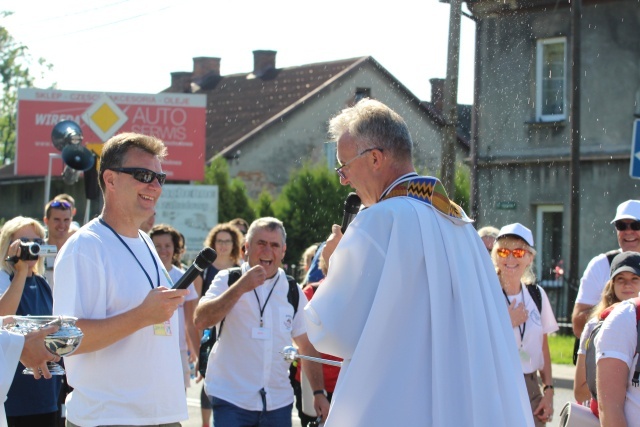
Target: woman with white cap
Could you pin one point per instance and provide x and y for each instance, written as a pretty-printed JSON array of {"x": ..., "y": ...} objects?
[
  {"x": 616, "y": 356},
  {"x": 530, "y": 312}
]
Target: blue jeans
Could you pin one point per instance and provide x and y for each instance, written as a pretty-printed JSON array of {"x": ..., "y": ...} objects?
[{"x": 226, "y": 414}]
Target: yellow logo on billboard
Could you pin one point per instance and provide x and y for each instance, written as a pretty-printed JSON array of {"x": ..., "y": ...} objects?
[{"x": 104, "y": 118}]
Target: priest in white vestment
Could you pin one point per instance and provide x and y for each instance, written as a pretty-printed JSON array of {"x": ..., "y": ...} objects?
[
  {"x": 411, "y": 301},
  {"x": 30, "y": 350}
]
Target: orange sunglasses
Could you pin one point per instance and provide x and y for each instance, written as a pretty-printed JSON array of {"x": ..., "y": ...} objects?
[{"x": 517, "y": 253}]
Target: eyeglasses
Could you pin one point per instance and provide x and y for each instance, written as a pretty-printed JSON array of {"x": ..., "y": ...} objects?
[
  {"x": 145, "y": 176},
  {"x": 622, "y": 226},
  {"x": 59, "y": 204},
  {"x": 224, "y": 242},
  {"x": 36, "y": 240},
  {"x": 517, "y": 253},
  {"x": 362, "y": 153}
]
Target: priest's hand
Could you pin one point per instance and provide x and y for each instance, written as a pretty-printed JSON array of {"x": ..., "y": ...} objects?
[
  {"x": 34, "y": 353},
  {"x": 332, "y": 242}
]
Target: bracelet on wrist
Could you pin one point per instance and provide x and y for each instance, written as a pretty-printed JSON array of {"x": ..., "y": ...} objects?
[{"x": 547, "y": 387}]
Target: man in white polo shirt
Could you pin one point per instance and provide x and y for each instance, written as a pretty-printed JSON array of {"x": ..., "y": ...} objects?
[
  {"x": 596, "y": 275},
  {"x": 247, "y": 377}
]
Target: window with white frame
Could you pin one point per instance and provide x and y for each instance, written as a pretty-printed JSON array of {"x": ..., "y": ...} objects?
[{"x": 551, "y": 79}]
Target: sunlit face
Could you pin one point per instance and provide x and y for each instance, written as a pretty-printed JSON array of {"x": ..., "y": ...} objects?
[
  {"x": 165, "y": 248},
  {"x": 58, "y": 223},
  {"x": 27, "y": 232},
  {"x": 626, "y": 285},
  {"x": 512, "y": 267},
  {"x": 223, "y": 243},
  {"x": 357, "y": 170},
  {"x": 267, "y": 249},
  {"x": 134, "y": 197},
  {"x": 629, "y": 240}
]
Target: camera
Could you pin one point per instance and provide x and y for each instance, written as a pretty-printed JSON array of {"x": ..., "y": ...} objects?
[{"x": 32, "y": 250}]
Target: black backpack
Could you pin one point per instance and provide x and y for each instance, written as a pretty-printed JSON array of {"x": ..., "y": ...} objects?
[{"x": 536, "y": 296}]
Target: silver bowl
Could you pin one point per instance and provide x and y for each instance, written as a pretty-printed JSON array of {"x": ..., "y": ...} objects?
[{"x": 62, "y": 343}]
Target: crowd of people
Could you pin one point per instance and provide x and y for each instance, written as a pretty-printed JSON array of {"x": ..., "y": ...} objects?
[{"x": 410, "y": 283}]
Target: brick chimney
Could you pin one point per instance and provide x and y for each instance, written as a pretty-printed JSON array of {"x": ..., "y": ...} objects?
[
  {"x": 205, "y": 65},
  {"x": 437, "y": 92},
  {"x": 181, "y": 81},
  {"x": 263, "y": 61}
]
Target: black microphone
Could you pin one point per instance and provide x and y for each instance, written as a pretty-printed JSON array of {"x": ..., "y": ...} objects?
[
  {"x": 204, "y": 259},
  {"x": 351, "y": 208}
]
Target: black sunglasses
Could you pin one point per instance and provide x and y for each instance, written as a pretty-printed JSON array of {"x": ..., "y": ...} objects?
[
  {"x": 622, "y": 226},
  {"x": 145, "y": 176},
  {"x": 36, "y": 240}
]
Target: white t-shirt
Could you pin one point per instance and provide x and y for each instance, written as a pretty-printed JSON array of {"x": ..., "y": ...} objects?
[
  {"x": 530, "y": 344},
  {"x": 241, "y": 364},
  {"x": 175, "y": 274},
  {"x": 593, "y": 280},
  {"x": 618, "y": 339},
  {"x": 137, "y": 380}
]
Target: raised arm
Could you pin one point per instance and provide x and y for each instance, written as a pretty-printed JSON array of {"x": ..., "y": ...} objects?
[{"x": 210, "y": 312}]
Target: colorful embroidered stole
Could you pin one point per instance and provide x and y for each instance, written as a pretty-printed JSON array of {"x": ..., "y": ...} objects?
[{"x": 429, "y": 190}]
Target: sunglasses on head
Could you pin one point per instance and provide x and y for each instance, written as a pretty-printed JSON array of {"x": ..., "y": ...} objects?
[
  {"x": 517, "y": 253},
  {"x": 622, "y": 226},
  {"x": 143, "y": 175},
  {"x": 60, "y": 204},
  {"x": 36, "y": 240}
]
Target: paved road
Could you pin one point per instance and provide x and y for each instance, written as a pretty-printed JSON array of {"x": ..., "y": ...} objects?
[{"x": 562, "y": 374}]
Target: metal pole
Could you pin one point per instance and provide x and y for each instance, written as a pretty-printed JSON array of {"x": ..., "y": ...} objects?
[
  {"x": 474, "y": 202},
  {"x": 47, "y": 181},
  {"x": 574, "y": 169},
  {"x": 450, "y": 101}
]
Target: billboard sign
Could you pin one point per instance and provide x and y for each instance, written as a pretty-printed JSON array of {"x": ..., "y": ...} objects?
[
  {"x": 190, "y": 209},
  {"x": 177, "y": 119}
]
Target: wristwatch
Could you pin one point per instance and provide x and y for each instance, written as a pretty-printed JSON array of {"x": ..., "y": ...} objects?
[
  {"x": 546, "y": 387},
  {"x": 315, "y": 392}
]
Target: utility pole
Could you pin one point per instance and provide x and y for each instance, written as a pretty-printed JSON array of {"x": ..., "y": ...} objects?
[
  {"x": 450, "y": 101},
  {"x": 574, "y": 168}
]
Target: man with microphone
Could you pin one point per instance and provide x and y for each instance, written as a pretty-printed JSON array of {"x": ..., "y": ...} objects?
[
  {"x": 410, "y": 286},
  {"x": 127, "y": 370},
  {"x": 247, "y": 376}
]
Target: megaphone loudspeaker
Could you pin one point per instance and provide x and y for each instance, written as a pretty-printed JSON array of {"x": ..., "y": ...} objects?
[
  {"x": 78, "y": 157},
  {"x": 65, "y": 133}
]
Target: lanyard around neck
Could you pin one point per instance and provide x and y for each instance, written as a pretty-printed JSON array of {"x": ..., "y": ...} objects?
[
  {"x": 134, "y": 255},
  {"x": 524, "y": 324},
  {"x": 268, "y": 296}
]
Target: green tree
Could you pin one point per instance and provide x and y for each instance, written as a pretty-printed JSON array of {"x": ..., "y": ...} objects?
[
  {"x": 463, "y": 188},
  {"x": 308, "y": 205},
  {"x": 233, "y": 201},
  {"x": 16, "y": 71},
  {"x": 264, "y": 205}
]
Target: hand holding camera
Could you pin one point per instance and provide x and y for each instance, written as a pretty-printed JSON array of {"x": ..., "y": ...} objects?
[{"x": 29, "y": 250}]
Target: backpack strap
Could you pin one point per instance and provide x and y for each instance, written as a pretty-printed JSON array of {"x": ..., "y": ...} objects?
[
  {"x": 636, "y": 375},
  {"x": 611, "y": 255},
  {"x": 536, "y": 295},
  {"x": 293, "y": 295}
]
